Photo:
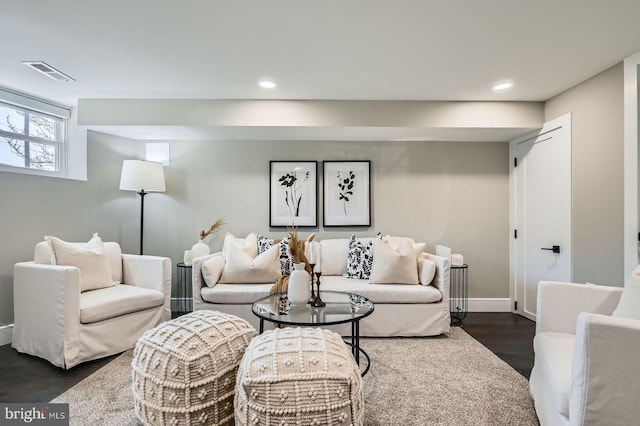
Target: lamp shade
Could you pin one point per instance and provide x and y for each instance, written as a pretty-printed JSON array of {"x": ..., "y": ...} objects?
[{"x": 138, "y": 175}]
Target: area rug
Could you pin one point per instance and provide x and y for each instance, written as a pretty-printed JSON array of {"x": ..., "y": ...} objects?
[{"x": 451, "y": 380}]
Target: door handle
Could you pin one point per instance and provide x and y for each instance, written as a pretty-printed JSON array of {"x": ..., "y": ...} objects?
[{"x": 555, "y": 249}]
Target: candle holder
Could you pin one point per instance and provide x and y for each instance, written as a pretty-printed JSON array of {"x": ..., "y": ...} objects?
[
  {"x": 318, "y": 303},
  {"x": 313, "y": 295}
]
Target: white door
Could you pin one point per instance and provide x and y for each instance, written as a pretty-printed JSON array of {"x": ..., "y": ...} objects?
[{"x": 540, "y": 179}]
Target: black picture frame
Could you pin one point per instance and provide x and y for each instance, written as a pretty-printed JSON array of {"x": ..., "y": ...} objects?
[
  {"x": 346, "y": 193},
  {"x": 293, "y": 193}
]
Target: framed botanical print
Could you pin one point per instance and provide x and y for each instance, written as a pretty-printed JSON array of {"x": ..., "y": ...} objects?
[
  {"x": 347, "y": 193},
  {"x": 293, "y": 193}
]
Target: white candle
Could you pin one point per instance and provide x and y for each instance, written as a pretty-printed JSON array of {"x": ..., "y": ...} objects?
[{"x": 318, "y": 256}]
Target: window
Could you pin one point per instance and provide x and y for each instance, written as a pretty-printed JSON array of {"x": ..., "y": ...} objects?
[{"x": 31, "y": 139}]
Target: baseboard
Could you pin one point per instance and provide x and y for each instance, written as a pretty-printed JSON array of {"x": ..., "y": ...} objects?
[
  {"x": 6, "y": 331},
  {"x": 490, "y": 305}
]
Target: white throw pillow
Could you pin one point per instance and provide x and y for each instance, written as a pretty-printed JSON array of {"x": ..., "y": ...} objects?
[
  {"x": 249, "y": 244},
  {"x": 212, "y": 270},
  {"x": 395, "y": 242},
  {"x": 629, "y": 305},
  {"x": 89, "y": 258},
  {"x": 394, "y": 266},
  {"x": 426, "y": 270},
  {"x": 334, "y": 256},
  {"x": 241, "y": 268}
]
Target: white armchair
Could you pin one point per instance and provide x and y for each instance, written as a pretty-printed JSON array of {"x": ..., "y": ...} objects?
[
  {"x": 54, "y": 320},
  {"x": 587, "y": 362}
]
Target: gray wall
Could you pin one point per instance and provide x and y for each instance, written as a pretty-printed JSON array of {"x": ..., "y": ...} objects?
[
  {"x": 596, "y": 106},
  {"x": 441, "y": 193}
]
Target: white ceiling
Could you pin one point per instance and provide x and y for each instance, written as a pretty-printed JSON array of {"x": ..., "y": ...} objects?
[{"x": 330, "y": 49}]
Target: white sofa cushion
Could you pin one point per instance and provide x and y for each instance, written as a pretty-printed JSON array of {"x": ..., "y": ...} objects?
[
  {"x": 235, "y": 294},
  {"x": 240, "y": 267},
  {"x": 383, "y": 293},
  {"x": 394, "y": 266},
  {"x": 212, "y": 269},
  {"x": 554, "y": 356},
  {"x": 629, "y": 305},
  {"x": 101, "y": 304},
  {"x": 90, "y": 258}
]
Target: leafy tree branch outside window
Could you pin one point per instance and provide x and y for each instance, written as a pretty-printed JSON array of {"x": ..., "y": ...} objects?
[{"x": 30, "y": 139}]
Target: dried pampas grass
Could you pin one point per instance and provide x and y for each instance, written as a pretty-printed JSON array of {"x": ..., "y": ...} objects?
[{"x": 212, "y": 229}]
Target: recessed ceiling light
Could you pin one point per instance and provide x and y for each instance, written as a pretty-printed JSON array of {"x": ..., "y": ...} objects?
[
  {"x": 267, "y": 84},
  {"x": 503, "y": 85}
]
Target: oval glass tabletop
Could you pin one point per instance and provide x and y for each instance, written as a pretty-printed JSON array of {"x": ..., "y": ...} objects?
[{"x": 340, "y": 308}]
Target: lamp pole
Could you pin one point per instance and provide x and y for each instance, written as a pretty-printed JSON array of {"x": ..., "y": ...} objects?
[{"x": 142, "y": 194}]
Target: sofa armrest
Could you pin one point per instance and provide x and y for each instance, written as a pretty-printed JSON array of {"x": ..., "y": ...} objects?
[
  {"x": 559, "y": 304},
  {"x": 605, "y": 378},
  {"x": 46, "y": 304},
  {"x": 197, "y": 280},
  {"x": 442, "y": 278},
  {"x": 153, "y": 272}
]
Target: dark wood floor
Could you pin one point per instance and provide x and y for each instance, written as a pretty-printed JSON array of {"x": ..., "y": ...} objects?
[{"x": 25, "y": 378}]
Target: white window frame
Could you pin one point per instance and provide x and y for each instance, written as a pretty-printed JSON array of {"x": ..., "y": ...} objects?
[{"x": 38, "y": 106}]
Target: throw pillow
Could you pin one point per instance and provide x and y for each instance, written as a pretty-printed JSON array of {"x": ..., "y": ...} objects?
[
  {"x": 426, "y": 270},
  {"x": 264, "y": 243},
  {"x": 212, "y": 270},
  {"x": 629, "y": 305},
  {"x": 285, "y": 256},
  {"x": 394, "y": 266},
  {"x": 249, "y": 244},
  {"x": 89, "y": 258},
  {"x": 394, "y": 242},
  {"x": 360, "y": 258},
  {"x": 241, "y": 268}
]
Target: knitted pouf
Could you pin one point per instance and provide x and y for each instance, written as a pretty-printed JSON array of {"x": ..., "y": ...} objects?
[
  {"x": 298, "y": 376},
  {"x": 184, "y": 370}
]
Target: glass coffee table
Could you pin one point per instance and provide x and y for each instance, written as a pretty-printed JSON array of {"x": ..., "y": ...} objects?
[{"x": 341, "y": 308}]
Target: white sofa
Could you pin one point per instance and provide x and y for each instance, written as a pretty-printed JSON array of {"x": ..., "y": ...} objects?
[
  {"x": 55, "y": 320},
  {"x": 586, "y": 369},
  {"x": 400, "y": 309}
]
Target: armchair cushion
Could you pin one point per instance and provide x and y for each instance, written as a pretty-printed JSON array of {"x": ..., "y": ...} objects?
[
  {"x": 42, "y": 255},
  {"x": 90, "y": 258},
  {"x": 101, "y": 304},
  {"x": 555, "y": 356},
  {"x": 629, "y": 305}
]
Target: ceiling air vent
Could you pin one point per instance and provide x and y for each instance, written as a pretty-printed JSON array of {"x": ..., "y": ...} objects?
[{"x": 48, "y": 70}]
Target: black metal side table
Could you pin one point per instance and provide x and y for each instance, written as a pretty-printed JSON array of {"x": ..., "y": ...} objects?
[
  {"x": 184, "y": 301},
  {"x": 458, "y": 299}
]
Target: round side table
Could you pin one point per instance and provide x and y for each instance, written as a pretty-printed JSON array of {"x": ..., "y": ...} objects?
[{"x": 458, "y": 299}]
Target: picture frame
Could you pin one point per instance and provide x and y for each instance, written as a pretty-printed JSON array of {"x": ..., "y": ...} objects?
[
  {"x": 293, "y": 193},
  {"x": 347, "y": 193}
]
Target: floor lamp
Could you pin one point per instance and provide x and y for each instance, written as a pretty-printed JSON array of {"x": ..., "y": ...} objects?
[{"x": 142, "y": 177}]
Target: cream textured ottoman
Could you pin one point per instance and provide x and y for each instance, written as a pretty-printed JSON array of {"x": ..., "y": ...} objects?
[
  {"x": 184, "y": 370},
  {"x": 298, "y": 376}
]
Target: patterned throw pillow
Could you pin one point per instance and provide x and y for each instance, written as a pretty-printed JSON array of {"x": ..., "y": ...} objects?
[
  {"x": 360, "y": 258},
  {"x": 286, "y": 259},
  {"x": 264, "y": 243}
]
